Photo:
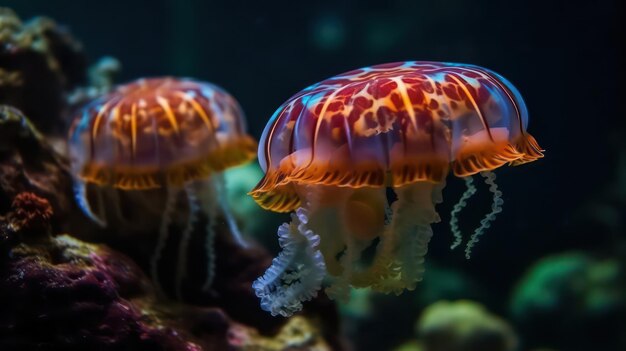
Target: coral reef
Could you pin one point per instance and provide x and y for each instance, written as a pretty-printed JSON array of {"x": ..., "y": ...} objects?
[
  {"x": 569, "y": 300},
  {"x": 29, "y": 163},
  {"x": 88, "y": 289},
  {"x": 463, "y": 326},
  {"x": 62, "y": 293},
  {"x": 366, "y": 316},
  {"x": 297, "y": 334}
]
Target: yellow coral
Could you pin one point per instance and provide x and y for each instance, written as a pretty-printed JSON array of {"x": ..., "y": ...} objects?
[{"x": 298, "y": 334}]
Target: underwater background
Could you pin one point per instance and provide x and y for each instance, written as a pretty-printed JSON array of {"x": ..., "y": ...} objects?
[{"x": 551, "y": 270}]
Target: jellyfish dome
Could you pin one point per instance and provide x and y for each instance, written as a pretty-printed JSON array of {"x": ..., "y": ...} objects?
[
  {"x": 160, "y": 133},
  {"x": 361, "y": 159},
  {"x": 157, "y": 132}
]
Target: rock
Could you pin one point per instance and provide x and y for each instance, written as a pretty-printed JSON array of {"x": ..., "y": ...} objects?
[
  {"x": 61, "y": 293},
  {"x": 29, "y": 164},
  {"x": 39, "y": 63}
]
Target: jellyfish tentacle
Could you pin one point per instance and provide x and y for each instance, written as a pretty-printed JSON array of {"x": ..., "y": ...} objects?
[
  {"x": 115, "y": 196},
  {"x": 101, "y": 207},
  {"x": 340, "y": 286},
  {"x": 413, "y": 251},
  {"x": 496, "y": 207},
  {"x": 209, "y": 247},
  {"x": 210, "y": 204},
  {"x": 470, "y": 190},
  {"x": 166, "y": 219},
  {"x": 416, "y": 212},
  {"x": 296, "y": 274},
  {"x": 326, "y": 222},
  {"x": 194, "y": 207},
  {"x": 399, "y": 261},
  {"x": 80, "y": 194},
  {"x": 382, "y": 275},
  {"x": 220, "y": 188},
  {"x": 336, "y": 243},
  {"x": 388, "y": 213},
  {"x": 360, "y": 222},
  {"x": 117, "y": 199}
]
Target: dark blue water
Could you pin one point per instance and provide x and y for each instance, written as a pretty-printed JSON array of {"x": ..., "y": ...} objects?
[{"x": 565, "y": 57}]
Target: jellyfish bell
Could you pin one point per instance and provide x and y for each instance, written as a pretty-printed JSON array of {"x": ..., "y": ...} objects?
[
  {"x": 332, "y": 153},
  {"x": 156, "y": 132},
  {"x": 153, "y": 137}
]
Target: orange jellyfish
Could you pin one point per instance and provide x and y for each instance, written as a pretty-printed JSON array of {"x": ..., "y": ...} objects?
[
  {"x": 361, "y": 159},
  {"x": 167, "y": 133}
]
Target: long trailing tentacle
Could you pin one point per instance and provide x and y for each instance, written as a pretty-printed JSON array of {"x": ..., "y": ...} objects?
[
  {"x": 454, "y": 219},
  {"x": 210, "y": 204},
  {"x": 209, "y": 249},
  {"x": 297, "y": 273},
  {"x": 220, "y": 187},
  {"x": 116, "y": 198},
  {"x": 166, "y": 219},
  {"x": 80, "y": 194},
  {"x": 496, "y": 207},
  {"x": 181, "y": 261}
]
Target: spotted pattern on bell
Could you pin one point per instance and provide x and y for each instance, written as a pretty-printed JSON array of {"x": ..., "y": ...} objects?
[{"x": 390, "y": 125}]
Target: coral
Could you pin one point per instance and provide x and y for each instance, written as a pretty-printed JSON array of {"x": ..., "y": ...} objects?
[
  {"x": 100, "y": 81},
  {"x": 101, "y": 73},
  {"x": 72, "y": 295},
  {"x": 29, "y": 164},
  {"x": 366, "y": 316},
  {"x": 297, "y": 334},
  {"x": 39, "y": 63},
  {"x": 569, "y": 300},
  {"x": 30, "y": 212},
  {"x": 464, "y": 326},
  {"x": 62, "y": 293},
  {"x": 410, "y": 346}
]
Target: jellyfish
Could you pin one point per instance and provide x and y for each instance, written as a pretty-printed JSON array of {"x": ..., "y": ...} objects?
[
  {"x": 175, "y": 135},
  {"x": 361, "y": 159}
]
